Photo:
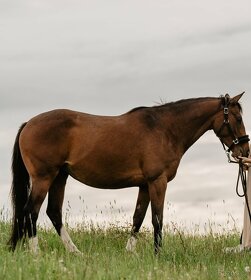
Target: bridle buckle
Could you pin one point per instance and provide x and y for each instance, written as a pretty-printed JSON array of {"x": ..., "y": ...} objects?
[{"x": 236, "y": 141}]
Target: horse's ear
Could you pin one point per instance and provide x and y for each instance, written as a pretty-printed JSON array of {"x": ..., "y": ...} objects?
[{"x": 237, "y": 97}]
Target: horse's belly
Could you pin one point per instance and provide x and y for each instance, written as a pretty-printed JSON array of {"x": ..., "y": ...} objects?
[{"x": 106, "y": 179}]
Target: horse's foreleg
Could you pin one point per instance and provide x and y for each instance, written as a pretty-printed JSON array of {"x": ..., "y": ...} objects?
[
  {"x": 54, "y": 210},
  {"x": 138, "y": 217},
  {"x": 157, "y": 189}
]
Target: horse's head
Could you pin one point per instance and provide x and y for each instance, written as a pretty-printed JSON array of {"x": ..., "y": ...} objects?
[{"x": 229, "y": 127}]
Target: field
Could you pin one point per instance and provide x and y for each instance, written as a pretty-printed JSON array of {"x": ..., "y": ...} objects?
[{"x": 184, "y": 256}]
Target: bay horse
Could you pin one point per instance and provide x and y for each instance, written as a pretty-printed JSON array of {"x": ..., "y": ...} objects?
[{"x": 142, "y": 147}]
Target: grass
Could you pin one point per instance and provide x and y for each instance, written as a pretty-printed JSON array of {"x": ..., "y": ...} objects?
[{"x": 184, "y": 256}]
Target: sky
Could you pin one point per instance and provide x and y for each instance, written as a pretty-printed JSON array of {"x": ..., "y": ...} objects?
[{"x": 107, "y": 57}]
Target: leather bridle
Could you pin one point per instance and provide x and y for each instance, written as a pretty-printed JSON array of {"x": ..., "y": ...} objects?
[
  {"x": 226, "y": 123},
  {"x": 242, "y": 177}
]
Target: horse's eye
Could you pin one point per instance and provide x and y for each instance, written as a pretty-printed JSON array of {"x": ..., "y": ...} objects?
[{"x": 239, "y": 119}]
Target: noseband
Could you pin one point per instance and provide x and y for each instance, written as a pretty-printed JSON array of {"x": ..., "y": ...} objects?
[{"x": 236, "y": 140}]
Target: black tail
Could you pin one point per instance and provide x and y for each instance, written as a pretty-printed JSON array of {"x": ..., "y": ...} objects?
[{"x": 19, "y": 192}]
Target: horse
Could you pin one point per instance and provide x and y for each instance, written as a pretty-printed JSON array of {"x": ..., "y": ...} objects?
[{"x": 142, "y": 148}]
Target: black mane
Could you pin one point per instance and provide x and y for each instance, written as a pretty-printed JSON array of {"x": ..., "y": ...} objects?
[
  {"x": 178, "y": 105},
  {"x": 138, "y": 108}
]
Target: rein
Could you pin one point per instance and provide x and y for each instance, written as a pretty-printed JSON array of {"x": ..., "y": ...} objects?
[{"x": 243, "y": 177}]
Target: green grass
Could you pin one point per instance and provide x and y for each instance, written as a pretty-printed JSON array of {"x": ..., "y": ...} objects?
[{"x": 183, "y": 256}]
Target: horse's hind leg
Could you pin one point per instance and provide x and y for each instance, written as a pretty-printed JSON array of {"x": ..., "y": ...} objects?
[
  {"x": 138, "y": 217},
  {"x": 54, "y": 210},
  {"x": 38, "y": 193}
]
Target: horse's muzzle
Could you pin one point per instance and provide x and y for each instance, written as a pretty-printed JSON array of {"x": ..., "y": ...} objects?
[{"x": 241, "y": 151}]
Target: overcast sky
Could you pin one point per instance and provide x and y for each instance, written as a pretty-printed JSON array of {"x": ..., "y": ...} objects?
[{"x": 106, "y": 57}]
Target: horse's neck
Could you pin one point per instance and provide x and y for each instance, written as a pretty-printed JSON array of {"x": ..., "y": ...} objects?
[{"x": 192, "y": 122}]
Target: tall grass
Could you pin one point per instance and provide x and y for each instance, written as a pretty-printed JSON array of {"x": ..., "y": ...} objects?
[{"x": 184, "y": 256}]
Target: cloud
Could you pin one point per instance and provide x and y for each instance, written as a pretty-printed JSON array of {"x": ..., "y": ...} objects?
[{"x": 106, "y": 57}]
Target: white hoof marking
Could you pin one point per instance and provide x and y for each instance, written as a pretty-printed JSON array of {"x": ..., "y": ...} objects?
[
  {"x": 131, "y": 244},
  {"x": 69, "y": 245},
  {"x": 33, "y": 245},
  {"x": 237, "y": 249}
]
